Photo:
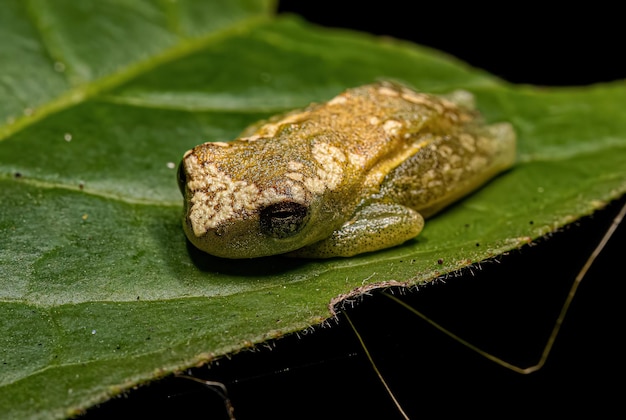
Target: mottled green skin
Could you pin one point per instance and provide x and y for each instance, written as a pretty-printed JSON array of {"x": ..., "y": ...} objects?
[{"x": 355, "y": 174}]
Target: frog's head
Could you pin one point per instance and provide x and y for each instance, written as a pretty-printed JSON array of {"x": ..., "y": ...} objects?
[{"x": 238, "y": 205}]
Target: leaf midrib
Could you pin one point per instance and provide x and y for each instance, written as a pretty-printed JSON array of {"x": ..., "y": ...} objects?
[{"x": 118, "y": 198}]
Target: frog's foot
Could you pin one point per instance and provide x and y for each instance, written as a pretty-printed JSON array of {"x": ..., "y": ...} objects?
[{"x": 374, "y": 227}]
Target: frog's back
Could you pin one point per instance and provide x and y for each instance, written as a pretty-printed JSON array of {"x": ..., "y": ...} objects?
[
  {"x": 419, "y": 150},
  {"x": 376, "y": 127},
  {"x": 386, "y": 142}
]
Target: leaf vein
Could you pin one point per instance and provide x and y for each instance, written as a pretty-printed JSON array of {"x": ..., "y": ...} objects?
[{"x": 90, "y": 90}]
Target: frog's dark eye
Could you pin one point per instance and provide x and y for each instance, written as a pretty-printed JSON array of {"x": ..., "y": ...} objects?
[
  {"x": 182, "y": 177},
  {"x": 282, "y": 220}
]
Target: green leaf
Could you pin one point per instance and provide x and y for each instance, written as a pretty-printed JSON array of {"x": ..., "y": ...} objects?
[{"x": 99, "y": 291}]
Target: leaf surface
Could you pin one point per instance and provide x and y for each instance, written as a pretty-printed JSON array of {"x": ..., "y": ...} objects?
[{"x": 99, "y": 290}]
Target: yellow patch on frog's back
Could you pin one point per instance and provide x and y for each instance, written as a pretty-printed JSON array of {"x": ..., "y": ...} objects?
[{"x": 331, "y": 160}]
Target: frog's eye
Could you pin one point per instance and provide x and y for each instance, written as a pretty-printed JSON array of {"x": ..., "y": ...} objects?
[
  {"x": 282, "y": 220},
  {"x": 182, "y": 177}
]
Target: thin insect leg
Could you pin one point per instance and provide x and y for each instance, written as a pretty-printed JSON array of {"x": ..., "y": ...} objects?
[
  {"x": 559, "y": 321},
  {"x": 217, "y": 387},
  {"x": 380, "y": 377},
  {"x": 579, "y": 278}
]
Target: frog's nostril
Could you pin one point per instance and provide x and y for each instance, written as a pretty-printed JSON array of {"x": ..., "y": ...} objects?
[{"x": 282, "y": 220}]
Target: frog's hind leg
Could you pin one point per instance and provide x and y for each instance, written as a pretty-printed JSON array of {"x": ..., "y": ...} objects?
[{"x": 374, "y": 227}]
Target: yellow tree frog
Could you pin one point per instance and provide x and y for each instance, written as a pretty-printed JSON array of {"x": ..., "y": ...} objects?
[{"x": 355, "y": 174}]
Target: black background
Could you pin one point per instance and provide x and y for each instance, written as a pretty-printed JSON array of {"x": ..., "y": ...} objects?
[
  {"x": 517, "y": 42},
  {"x": 508, "y": 308}
]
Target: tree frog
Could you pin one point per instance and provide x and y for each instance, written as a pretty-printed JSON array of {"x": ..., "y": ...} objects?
[{"x": 356, "y": 174}]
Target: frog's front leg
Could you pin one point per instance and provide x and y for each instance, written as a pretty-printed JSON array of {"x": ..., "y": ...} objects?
[{"x": 373, "y": 227}]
